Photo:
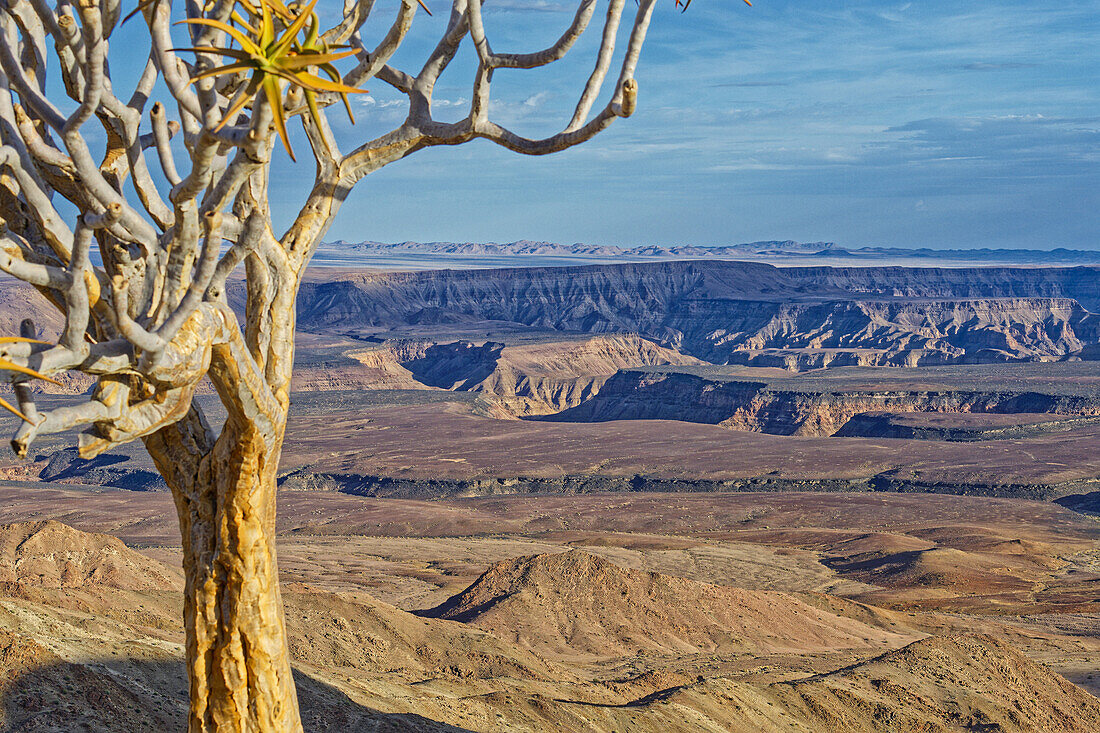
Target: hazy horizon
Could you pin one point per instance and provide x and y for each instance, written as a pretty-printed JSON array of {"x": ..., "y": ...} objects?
[{"x": 780, "y": 240}]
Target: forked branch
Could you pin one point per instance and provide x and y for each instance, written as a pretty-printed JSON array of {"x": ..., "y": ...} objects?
[{"x": 142, "y": 273}]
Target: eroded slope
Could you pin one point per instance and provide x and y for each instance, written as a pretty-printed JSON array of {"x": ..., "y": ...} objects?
[
  {"x": 365, "y": 665},
  {"x": 579, "y": 606},
  {"x": 741, "y": 312}
]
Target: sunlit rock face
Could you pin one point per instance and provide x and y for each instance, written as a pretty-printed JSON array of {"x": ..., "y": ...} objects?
[{"x": 750, "y": 313}]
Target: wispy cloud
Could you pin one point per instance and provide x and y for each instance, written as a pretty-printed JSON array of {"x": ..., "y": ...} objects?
[
  {"x": 865, "y": 121},
  {"x": 988, "y": 66}
]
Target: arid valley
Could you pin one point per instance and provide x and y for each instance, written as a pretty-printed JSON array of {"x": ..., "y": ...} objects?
[
  {"x": 682, "y": 495},
  {"x": 539, "y": 366}
]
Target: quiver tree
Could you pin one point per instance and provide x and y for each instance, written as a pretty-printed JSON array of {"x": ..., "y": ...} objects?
[{"x": 131, "y": 210}]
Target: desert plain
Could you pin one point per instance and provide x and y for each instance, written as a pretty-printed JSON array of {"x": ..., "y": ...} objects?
[{"x": 670, "y": 496}]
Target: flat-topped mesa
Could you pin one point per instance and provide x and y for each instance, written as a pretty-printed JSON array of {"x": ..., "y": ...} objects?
[
  {"x": 734, "y": 312},
  {"x": 722, "y": 312}
]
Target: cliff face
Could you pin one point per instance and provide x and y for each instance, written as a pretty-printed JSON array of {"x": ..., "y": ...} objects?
[
  {"x": 737, "y": 312},
  {"x": 899, "y": 332},
  {"x": 1078, "y": 283},
  {"x": 744, "y": 405},
  {"x": 580, "y": 299},
  {"x": 527, "y": 379}
]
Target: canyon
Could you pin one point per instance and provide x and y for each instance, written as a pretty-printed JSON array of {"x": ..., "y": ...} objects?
[
  {"x": 668, "y": 496},
  {"x": 627, "y": 355},
  {"x": 787, "y": 407}
]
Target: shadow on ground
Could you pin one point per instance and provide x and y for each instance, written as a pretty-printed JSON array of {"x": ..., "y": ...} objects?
[{"x": 124, "y": 695}]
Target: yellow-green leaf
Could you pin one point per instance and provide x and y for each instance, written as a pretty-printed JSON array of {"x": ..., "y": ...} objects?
[
  {"x": 305, "y": 60},
  {"x": 246, "y": 42},
  {"x": 8, "y": 366},
  {"x": 292, "y": 31},
  {"x": 280, "y": 9},
  {"x": 19, "y": 340},
  {"x": 309, "y": 80},
  {"x": 239, "y": 20},
  {"x": 13, "y": 410},
  {"x": 220, "y": 70},
  {"x": 275, "y": 99},
  {"x": 267, "y": 26},
  {"x": 216, "y": 50},
  {"x": 333, "y": 74}
]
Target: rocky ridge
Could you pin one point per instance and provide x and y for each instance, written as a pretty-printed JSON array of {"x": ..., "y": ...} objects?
[
  {"x": 994, "y": 688},
  {"x": 524, "y": 653},
  {"x": 760, "y": 407},
  {"x": 737, "y": 311},
  {"x": 776, "y": 249},
  {"x": 576, "y": 605}
]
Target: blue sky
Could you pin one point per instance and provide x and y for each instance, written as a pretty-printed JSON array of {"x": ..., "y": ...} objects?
[{"x": 931, "y": 123}]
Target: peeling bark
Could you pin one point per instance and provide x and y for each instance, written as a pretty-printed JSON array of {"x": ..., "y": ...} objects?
[{"x": 238, "y": 662}]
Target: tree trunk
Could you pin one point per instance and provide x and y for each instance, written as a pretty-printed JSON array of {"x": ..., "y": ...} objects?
[{"x": 238, "y": 660}]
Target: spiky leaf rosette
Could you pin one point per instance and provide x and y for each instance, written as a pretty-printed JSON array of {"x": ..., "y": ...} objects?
[{"x": 275, "y": 58}]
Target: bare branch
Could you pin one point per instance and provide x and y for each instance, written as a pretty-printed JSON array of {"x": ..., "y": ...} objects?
[
  {"x": 371, "y": 63},
  {"x": 548, "y": 55},
  {"x": 153, "y": 321}
]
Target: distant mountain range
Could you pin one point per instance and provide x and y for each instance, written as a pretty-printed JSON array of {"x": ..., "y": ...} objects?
[{"x": 777, "y": 251}]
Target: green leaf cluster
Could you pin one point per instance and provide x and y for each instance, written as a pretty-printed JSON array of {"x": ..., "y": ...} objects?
[{"x": 280, "y": 45}]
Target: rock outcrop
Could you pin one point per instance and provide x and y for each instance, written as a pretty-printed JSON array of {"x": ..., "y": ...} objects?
[
  {"x": 54, "y": 555},
  {"x": 960, "y": 427},
  {"x": 734, "y": 311},
  {"x": 523, "y": 379},
  {"x": 761, "y": 407}
]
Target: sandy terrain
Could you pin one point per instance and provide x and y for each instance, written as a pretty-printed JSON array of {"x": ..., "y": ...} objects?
[
  {"x": 430, "y": 586},
  {"x": 461, "y": 444},
  {"x": 735, "y": 615}
]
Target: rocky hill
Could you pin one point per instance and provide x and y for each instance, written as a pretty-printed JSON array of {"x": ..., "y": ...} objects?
[
  {"x": 576, "y": 605},
  {"x": 54, "y": 555}
]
